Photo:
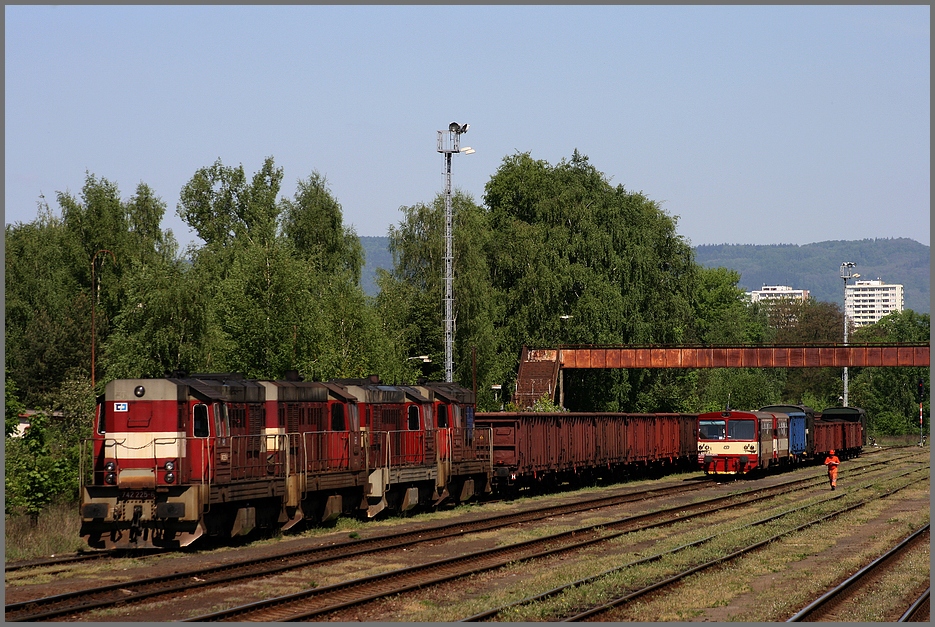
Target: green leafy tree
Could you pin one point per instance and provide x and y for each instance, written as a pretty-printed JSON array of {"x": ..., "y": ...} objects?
[
  {"x": 12, "y": 406},
  {"x": 566, "y": 242},
  {"x": 313, "y": 222},
  {"x": 47, "y": 311},
  {"x": 889, "y": 394},
  {"x": 164, "y": 325},
  {"x": 37, "y": 475},
  {"x": 723, "y": 317},
  {"x": 281, "y": 277},
  {"x": 814, "y": 323},
  {"x": 410, "y": 303}
]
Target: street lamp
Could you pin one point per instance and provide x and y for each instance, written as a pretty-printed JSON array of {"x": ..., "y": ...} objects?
[
  {"x": 449, "y": 148},
  {"x": 846, "y": 274},
  {"x": 93, "y": 300},
  {"x": 423, "y": 358}
]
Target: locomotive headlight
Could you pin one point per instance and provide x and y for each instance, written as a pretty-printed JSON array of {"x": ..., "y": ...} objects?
[
  {"x": 170, "y": 466},
  {"x": 110, "y": 467},
  {"x": 170, "y": 477},
  {"x": 110, "y": 478}
]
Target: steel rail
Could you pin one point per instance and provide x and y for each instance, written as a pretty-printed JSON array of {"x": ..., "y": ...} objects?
[
  {"x": 917, "y": 606},
  {"x": 605, "y": 607},
  {"x": 56, "y": 561},
  {"x": 277, "y": 609},
  {"x": 78, "y": 601},
  {"x": 835, "y": 592},
  {"x": 590, "y": 579}
]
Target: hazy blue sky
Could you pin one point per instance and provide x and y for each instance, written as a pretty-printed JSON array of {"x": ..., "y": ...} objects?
[{"x": 757, "y": 125}]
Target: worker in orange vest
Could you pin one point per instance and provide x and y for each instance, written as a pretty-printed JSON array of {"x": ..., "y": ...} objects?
[{"x": 832, "y": 462}]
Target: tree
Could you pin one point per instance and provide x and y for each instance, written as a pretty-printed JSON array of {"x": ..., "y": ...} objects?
[
  {"x": 164, "y": 326},
  {"x": 281, "y": 277},
  {"x": 889, "y": 394},
  {"x": 313, "y": 222},
  {"x": 410, "y": 302},
  {"x": 722, "y": 316},
  {"x": 565, "y": 242},
  {"x": 47, "y": 319},
  {"x": 815, "y": 323}
]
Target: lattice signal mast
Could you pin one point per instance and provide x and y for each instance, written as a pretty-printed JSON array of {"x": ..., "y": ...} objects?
[{"x": 448, "y": 148}]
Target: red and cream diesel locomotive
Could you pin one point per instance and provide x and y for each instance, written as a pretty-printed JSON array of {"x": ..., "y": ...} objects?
[{"x": 177, "y": 458}]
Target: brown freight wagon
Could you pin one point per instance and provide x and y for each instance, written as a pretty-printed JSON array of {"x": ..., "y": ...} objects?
[
  {"x": 547, "y": 449},
  {"x": 843, "y": 429}
]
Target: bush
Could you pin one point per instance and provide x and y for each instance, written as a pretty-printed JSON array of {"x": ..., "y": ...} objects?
[{"x": 892, "y": 423}]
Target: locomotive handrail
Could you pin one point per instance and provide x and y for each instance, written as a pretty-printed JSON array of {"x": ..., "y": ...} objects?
[{"x": 402, "y": 456}]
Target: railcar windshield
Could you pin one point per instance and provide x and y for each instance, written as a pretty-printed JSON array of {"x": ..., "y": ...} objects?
[
  {"x": 711, "y": 429},
  {"x": 741, "y": 430}
]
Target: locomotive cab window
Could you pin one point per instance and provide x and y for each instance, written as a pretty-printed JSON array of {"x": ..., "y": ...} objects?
[
  {"x": 200, "y": 421},
  {"x": 221, "y": 420},
  {"x": 413, "y": 418},
  {"x": 711, "y": 429},
  {"x": 443, "y": 416},
  {"x": 741, "y": 430},
  {"x": 337, "y": 417},
  {"x": 100, "y": 418}
]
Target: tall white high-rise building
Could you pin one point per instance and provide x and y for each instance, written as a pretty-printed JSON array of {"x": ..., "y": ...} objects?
[{"x": 865, "y": 302}]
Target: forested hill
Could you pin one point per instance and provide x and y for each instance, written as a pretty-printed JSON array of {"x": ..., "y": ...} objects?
[
  {"x": 817, "y": 267},
  {"x": 376, "y": 255},
  {"x": 814, "y": 267}
]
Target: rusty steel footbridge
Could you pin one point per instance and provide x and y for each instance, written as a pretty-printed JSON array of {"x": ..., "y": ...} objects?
[{"x": 540, "y": 368}]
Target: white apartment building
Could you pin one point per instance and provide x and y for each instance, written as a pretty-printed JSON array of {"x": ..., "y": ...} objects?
[
  {"x": 776, "y": 292},
  {"x": 866, "y": 302}
]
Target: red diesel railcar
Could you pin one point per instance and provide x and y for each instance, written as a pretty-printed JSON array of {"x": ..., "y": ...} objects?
[{"x": 737, "y": 442}]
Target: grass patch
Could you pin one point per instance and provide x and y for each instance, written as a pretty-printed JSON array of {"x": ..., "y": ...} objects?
[{"x": 55, "y": 533}]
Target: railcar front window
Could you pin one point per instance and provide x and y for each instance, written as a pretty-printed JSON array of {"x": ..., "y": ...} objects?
[
  {"x": 413, "y": 418},
  {"x": 711, "y": 429},
  {"x": 741, "y": 430}
]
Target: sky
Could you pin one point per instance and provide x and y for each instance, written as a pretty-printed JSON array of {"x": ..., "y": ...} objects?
[{"x": 750, "y": 124}]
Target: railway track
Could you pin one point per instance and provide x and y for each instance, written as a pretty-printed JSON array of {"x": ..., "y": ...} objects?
[
  {"x": 81, "y": 601},
  {"x": 601, "y": 612},
  {"x": 919, "y": 611},
  {"x": 825, "y": 606},
  {"x": 319, "y": 602},
  {"x": 62, "y": 560},
  {"x": 133, "y": 592}
]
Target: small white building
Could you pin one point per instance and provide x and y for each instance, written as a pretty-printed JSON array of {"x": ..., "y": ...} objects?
[
  {"x": 777, "y": 292},
  {"x": 865, "y": 302}
]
